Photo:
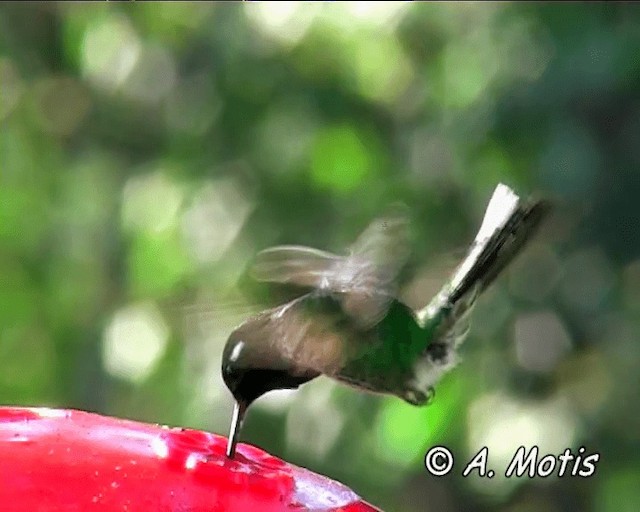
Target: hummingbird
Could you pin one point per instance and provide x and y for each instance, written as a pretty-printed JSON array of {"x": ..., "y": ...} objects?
[{"x": 349, "y": 324}]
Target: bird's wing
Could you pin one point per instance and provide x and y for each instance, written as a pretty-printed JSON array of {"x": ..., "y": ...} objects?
[
  {"x": 365, "y": 280},
  {"x": 296, "y": 265},
  {"x": 372, "y": 267}
]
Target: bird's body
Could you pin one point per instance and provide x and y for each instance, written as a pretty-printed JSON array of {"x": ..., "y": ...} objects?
[
  {"x": 314, "y": 336},
  {"x": 350, "y": 325}
]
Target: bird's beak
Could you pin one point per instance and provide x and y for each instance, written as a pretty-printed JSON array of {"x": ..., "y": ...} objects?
[{"x": 239, "y": 411}]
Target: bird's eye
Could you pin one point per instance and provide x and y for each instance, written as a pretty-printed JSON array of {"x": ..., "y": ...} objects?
[{"x": 235, "y": 353}]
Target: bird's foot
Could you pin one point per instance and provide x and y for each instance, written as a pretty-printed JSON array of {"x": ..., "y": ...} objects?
[{"x": 417, "y": 396}]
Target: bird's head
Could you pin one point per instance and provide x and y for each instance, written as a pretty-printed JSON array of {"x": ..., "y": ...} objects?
[{"x": 252, "y": 364}]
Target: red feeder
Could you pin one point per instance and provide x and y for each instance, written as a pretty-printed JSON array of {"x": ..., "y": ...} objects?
[{"x": 65, "y": 460}]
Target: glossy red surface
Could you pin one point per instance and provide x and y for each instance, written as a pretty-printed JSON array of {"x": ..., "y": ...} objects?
[{"x": 64, "y": 460}]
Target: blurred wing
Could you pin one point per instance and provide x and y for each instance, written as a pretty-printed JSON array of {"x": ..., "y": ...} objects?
[
  {"x": 296, "y": 265},
  {"x": 382, "y": 249},
  {"x": 365, "y": 279},
  {"x": 376, "y": 258}
]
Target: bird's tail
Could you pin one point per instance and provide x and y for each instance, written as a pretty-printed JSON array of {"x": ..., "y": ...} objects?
[{"x": 508, "y": 224}]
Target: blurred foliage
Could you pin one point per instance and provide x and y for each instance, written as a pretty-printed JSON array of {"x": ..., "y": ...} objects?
[{"x": 148, "y": 151}]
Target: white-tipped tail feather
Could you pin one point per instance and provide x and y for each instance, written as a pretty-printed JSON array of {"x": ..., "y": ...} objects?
[
  {"x": 508, "y": 224},
  {"x": 504, "y": 202}
]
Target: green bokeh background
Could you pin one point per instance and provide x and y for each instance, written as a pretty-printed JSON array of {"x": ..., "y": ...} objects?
[{"x": 149, "y": 151}]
